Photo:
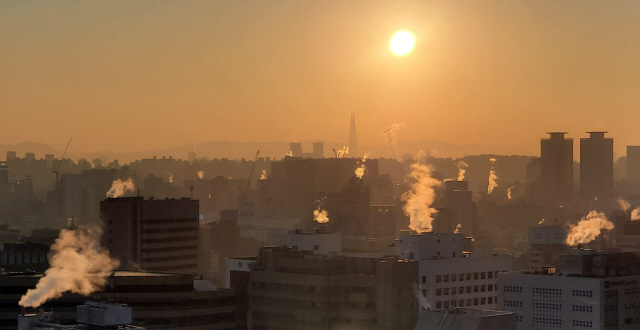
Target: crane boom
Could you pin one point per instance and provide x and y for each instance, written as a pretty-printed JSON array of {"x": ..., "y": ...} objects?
[
  {"x": 243, "y": 193},
  {"x": 56, "y": 169}
]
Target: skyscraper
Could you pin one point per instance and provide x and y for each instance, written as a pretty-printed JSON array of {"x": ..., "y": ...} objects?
[
  {"x": 633, "y": 166},
  {"x": 596, "y": 166},
  {"x": 556, "y": 169},
  {"x": 353, "y": 137}
]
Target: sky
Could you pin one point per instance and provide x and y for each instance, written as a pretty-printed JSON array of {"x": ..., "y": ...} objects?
[{"x": 135, "y": 75}]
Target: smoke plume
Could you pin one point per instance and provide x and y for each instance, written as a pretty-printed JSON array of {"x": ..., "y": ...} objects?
[
  {"x": 624, "y": 205},
  {"x": 119, "y": 188},
  {"x": 390, "y": 137},
  {"x": 264, "y": 175},
  {"x": 77, "y": 265},
  {"x": 200, "y": 174},
  {"x": 509, "y": 192},
  {"x": 361, "y": 169},
  {"x": 492, "y": 177},
  {"x": 635, "y": 214},
  {"x": 588, "y": 228},
  {"x": 170, "y": 177},
  {"x": 461, "y": 170},
  {"x": 458, "y": 229},
  {"x": 420, "y": 197},
  {"x": 342, "y": 152},
  {"x": 320, "y": 215}
]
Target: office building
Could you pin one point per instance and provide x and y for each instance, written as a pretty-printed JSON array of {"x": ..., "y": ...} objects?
[
  {"x": 633, "y": 167},
  {"x": 596, "y": 167},
  {"x": 293, "y": 289},
  {"x": 466, "y": 319},
  {"x": 589, "y": 290},
  {"x": 556, "y": 169},
  {"x": 158, "y": 300},
  {"x": 153, "y": 235},
  {"x": 546, "y": 245},
  {"x": 318, "y": 150},
  {"x": 458, "y": 199},
  {"x": 296, "y": 149},
  {"x": 450, "y": 277}
]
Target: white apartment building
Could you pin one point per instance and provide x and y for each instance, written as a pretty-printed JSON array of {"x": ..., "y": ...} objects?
[
  {"x": 589, "y": 291},
  {"x": 450, "y": 277}
]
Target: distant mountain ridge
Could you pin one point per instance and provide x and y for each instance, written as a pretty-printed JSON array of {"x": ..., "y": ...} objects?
[{"x": 277, "y": 150}]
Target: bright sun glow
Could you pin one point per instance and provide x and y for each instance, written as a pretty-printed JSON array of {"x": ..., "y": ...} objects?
[{"x": 402, "y": 43}]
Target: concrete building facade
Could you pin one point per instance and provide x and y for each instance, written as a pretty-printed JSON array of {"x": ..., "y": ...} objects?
[{"x": 596, "y": 166}]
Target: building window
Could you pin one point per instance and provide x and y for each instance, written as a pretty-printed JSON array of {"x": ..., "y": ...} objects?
[
  {"x": 482, "y": 288},
  {"x": 469, "y": 289},
  {"x": 446, "y": 278},
  {"x": 461, "y": 289},
  {"x": 582, "y": 324},
  {"x": 490, "y": 274},
  {"x": 438, "y": 305},
  {"x": 475, "y": 288},
  {"x": 438, "y": 292},
  {"x": 460, "y": 277},
  {"x": 475, "y": 276},
  {"x": 468, "y": 276},
  {"x": 454, "y": 290},
  {"x": 453, "y": 277},
  {"x": 482, "y": 275},
  {"x": 483, "y": 301},
  {"x": 424, "y": 279},
  {"x": 446, "y": 304},
  {"x": 461, "y": 303},
  {"x": 453, "y": 254},
  {"x": 475, "y": 301},
  {"x": 316, "y": 247},
  {"x": 490, "y": 287},
  {"x": 468, "y": 302},
  {"x": 490, "y": 300},
  {"x": 446, "y": 291},
  {"x": 438, "y": 278}
]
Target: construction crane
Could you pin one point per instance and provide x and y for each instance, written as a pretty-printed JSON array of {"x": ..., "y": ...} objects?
[
  {"x": 335, "y": 153},
  {"x": 56, "y": 168},
  {"x": 243, "y": 193}
]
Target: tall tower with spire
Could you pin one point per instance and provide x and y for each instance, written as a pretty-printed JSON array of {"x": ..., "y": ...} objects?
[{"x": 353, "y": 138}]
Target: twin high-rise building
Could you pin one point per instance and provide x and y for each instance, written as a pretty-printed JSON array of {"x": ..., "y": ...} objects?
[{"x": 596, "y": 167}]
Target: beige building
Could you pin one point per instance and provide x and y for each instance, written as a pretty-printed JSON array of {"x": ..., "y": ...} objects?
[{"x": 293, "y": 289}]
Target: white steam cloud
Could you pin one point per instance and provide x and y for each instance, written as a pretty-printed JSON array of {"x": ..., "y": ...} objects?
[
  {"x": 200, "y": 174},
  {"x": 342, "y": 152},
  {"x": 320, "y": 215},
  {"x": 458, "y": 229},
  {"x": 624, "y": 205},
  {"x": 461, "y": 170},
  {"x": 420, "y": 197},
  {"x": 170, "y": 177},
  {"x": 492, "y": 177},
  {"x": 289, "y": 154},
  {"x": 391, "y": 137},
  {"x": 422, "y": 300},
  {"x": 362, "y": 168},
  {"x": 635, "y": 214},
  {"x": 77, "y": 265},
  {"x": 119, "y": 188},
  {"x": 264, "y": 175},
  {"x": 588, "y": 228},
  {"x": 509, "y": 192},
  {"x": 541, "y": 222}
]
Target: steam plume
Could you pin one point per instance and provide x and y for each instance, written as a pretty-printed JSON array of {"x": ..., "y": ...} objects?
[
  {"x": 200, "y": 174},
  {"x": 588, "y": 228},
  {"x": 78, "y": 265},
  {"x": 263, "y": 176},
  {"x": 320, "y": 215},
  {"x": 422, "y": 300},
  {"x": 170, "y": 177},
  {"x": 461, "y": 170},
  {"x": 360, "y": 170},
  {"x": 342, "y": 152},
  {"x": 420, "y": 197},
  {"x": 635, "y": 214},
  {"x": 458, "y": 229},
  {"x": 289, "y": 153},
  {"x": 119, "y": 188},
  {"x": 541, "y": 222},
  {"x": 624, "y": 205},
  {"x": 509, "y": 192},
  {"x": 492, "y": 177},
  {"x": 390, "y": 137}
]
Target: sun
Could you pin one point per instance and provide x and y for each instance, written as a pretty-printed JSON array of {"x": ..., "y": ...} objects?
[{"x": 402, "y": 43}]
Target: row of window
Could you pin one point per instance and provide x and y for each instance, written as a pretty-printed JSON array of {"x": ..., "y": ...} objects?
[
  {"x": 631, "y": 291},
  {"x": 582, "y": 293},
  {"x": 547, "y": 320},
  {"x": 510, "y": 288},
  {"x": 512, "y": 303},
  {"x": 582, "y": 324},
  {"x": 548, "y": 306},
  {"x": 547, "y": 291},
  {"x": 466, "y": 302},
  {"x": 581, "y": 308},
  {"x": 633, "y": 305},
  {"x": 310, "y": 289},
  {"x": 463, "y": 277},
  {"x": 461, "y": 289}
]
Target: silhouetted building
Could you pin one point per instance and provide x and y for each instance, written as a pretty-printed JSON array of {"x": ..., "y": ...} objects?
[
  {"x": 556, "y": 169},
  {"x": 546, "y": 245},
  {"x": 292, "y": 289},
  {"x": 318, "y": 150},
  {"x": 596, "y": 166},
  {"x": 153, "y": 235},
  {"x": 353, "y": 137},
  {"x": 158, "y": 300},
  {"x": 633, "y": 167},
  {"x": 24, "y": 256},
  {"x": 296, "y": 149},
  {"x": 458, "y": 199}
]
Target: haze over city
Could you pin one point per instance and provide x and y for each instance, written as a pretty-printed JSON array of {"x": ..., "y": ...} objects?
[
  {"x": 133, "y": 76},
  {"x": 320, "y": 165}
]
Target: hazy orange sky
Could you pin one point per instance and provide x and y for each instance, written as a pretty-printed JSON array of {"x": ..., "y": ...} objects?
[{"x": 133, "y": 75}]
